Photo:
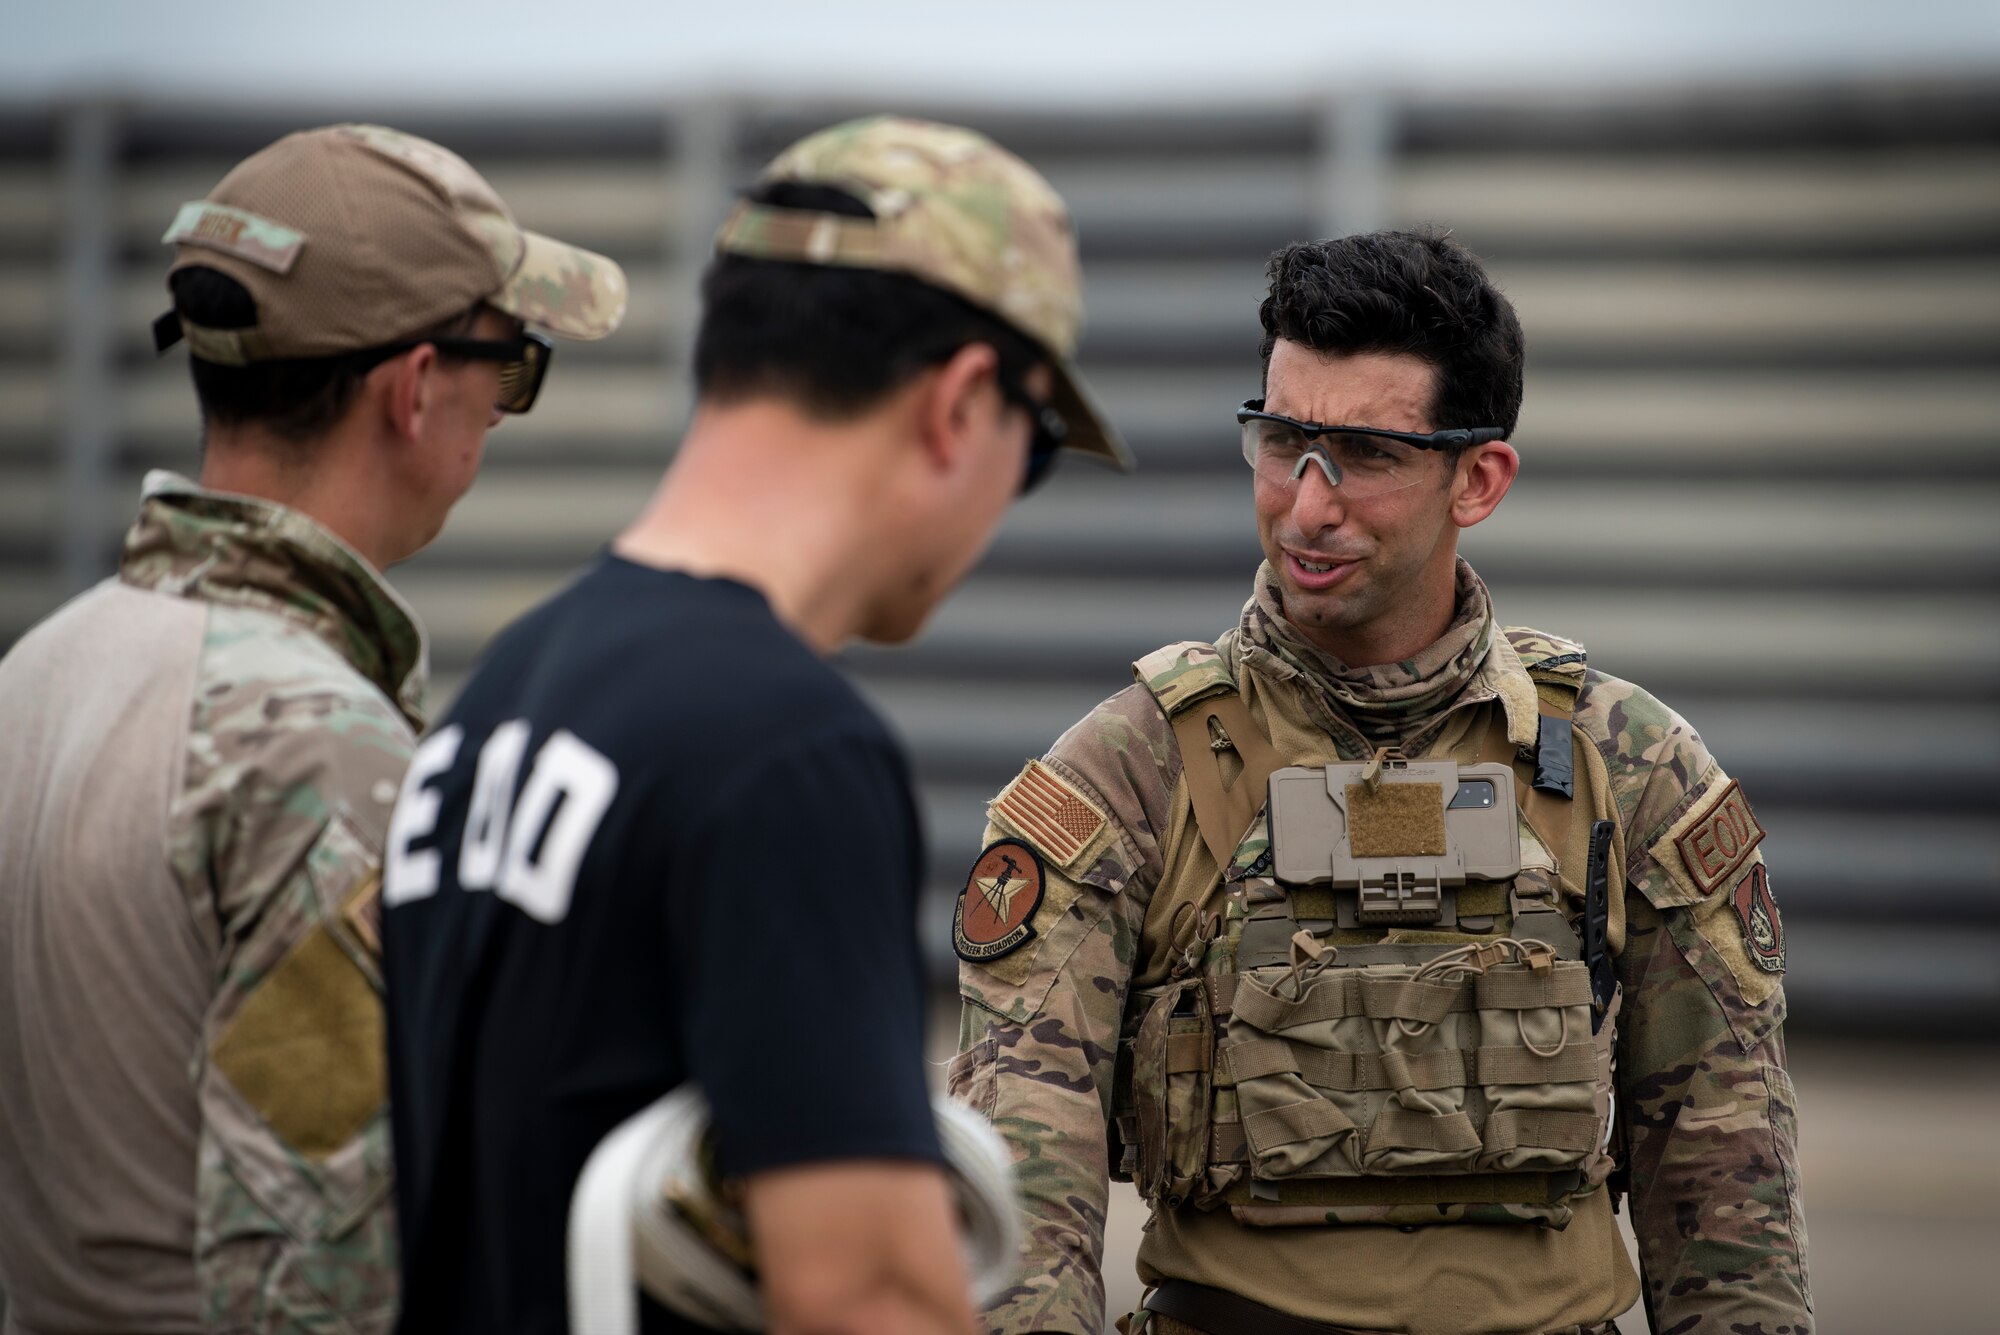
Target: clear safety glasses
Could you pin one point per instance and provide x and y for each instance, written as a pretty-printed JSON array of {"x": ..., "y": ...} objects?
[{"x": 1362, "y": 461}]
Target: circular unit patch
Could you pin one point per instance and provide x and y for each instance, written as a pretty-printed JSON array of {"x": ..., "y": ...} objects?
[{"x": 1000, "y": 897}]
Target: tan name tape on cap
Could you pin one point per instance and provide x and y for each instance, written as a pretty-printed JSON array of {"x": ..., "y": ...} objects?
[
  {"x": 253, "y": 239},
  {"x": 1719, "y": 839},
  {"x": 1046, "y": 808}
]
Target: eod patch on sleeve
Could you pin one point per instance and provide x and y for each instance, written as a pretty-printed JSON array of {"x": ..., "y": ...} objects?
[
  {"x": 1715, "y": 871},
  {"x": 1720, "y": 839}
]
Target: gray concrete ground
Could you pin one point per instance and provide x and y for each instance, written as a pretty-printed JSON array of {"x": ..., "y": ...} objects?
[{"x": 1901, "y": 1179}]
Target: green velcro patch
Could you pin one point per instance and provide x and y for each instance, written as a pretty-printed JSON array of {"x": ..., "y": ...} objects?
[{"x": 306, "y": 1049}]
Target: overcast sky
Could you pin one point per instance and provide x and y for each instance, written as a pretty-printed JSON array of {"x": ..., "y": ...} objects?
[{"x": 583, "y": 51}]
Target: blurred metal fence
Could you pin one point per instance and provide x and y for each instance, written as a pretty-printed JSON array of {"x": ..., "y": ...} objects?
[{"x": 1759, "y": 467}]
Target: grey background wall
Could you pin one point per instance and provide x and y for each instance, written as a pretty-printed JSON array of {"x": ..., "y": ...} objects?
[{"x": 1759, "y": 477}]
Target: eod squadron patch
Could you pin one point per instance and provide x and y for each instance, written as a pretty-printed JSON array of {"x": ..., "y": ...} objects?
[
  {"x": 1000, "y": 897},
  {"x": 1763, "y": 929}
]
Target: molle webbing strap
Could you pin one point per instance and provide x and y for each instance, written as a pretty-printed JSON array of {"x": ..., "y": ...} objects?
[
  {"x": 1469, "y": 1189},
  {"x": 1513, "y": 990},
  {"x": 1349, "y": 1072},
  {"x": 1544, "y": 1129},
  {"x": 1397, "y": 1128},
  {"x": 1339, "y": 994},
  {"x": 1519, "y": 1066},
  {"x": 1443, "y": 1068},
  {"x": 1313, "y": 1119}
]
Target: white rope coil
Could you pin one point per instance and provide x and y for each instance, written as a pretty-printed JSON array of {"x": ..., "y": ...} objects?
[{"x": 625, "y": 1235}]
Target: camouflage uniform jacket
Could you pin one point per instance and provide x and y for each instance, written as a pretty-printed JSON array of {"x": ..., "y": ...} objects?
[
  {"x": 1710, "y": 1163},
  {"x": 281, "y": 689}
]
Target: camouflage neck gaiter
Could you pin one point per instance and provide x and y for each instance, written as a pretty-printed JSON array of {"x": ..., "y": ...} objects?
[{"x": 1391, "y": 703}]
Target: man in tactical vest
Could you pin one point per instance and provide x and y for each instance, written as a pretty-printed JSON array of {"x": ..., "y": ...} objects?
[{"x": 1386, "y": 950}]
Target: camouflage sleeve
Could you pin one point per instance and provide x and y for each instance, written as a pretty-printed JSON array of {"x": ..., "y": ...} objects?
[
  {"x": 1042, "y": 1008},
  {"x": 278, "y": 833},
  {"x": 1710, "y": 1119}
]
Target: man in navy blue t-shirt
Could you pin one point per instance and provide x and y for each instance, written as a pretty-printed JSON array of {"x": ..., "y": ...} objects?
[{"x": 658, "y": 839}]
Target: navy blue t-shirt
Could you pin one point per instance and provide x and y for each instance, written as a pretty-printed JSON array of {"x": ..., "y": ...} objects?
[{"x": 656, "y": 839}]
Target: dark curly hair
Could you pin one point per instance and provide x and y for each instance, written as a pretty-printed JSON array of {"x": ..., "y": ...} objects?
[{"x": 1417, "y": 292}]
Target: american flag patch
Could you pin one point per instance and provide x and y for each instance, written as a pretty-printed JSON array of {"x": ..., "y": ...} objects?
[{"x": 1058, "y": 819}]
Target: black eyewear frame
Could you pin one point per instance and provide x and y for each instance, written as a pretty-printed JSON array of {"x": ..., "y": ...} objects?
[
  {"x": 524, "y": 362},
  {"x": 1050, "y": 433},
  {"x": 524, "y": 359},
  {"x": 1454, "y": 438}
]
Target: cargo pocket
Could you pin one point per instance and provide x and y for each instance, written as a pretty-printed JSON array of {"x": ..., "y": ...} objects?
[
  {"x": 1279, "y": 1059},
  {"x": 972, "y": 1077},
  {"x": 1355, "y": 1074},
  {"x": 1420, "y": 1028},
  {"x": 1173, "y": 1058},
  {"x": 1538, "y": 1066}
]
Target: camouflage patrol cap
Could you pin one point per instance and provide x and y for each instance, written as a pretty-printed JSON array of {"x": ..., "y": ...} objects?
[
  {"x": 954, "y": 209},
  {"x": 355, "y": 236}
]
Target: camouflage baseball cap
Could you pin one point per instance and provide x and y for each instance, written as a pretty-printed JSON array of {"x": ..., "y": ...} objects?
[
  {"x": 954, "y": 209},
  {"x": 354, "y": 236}
]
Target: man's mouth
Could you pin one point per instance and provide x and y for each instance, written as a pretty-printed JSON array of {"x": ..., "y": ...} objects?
[{"x": 1317, "y": 570}]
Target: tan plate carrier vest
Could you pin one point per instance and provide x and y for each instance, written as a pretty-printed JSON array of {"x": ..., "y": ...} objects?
[{"x": 1404, "y": 1076}]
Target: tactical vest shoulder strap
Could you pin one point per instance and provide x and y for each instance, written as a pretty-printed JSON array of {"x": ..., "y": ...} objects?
[
  {"x": 1191, "y": 681},
  {"x": 1557, "y": 667}
]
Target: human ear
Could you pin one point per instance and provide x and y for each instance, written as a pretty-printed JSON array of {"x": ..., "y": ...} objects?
[
  {"x": 960, "y": 403},
  {"x": 1482, "y": 478},
  {"x": 409, "y": 390}
]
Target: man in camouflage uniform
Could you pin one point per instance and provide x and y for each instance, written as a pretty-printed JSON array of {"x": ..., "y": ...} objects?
[
  {"x": 203, "y": 752},
  {"x": 1365, "y": 630}
]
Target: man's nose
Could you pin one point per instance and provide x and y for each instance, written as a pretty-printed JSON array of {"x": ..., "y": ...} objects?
[{"x": 1316, "y": 502}]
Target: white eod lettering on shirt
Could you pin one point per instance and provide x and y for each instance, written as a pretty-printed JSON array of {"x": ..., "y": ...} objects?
[{"x": 526, "y": 849}]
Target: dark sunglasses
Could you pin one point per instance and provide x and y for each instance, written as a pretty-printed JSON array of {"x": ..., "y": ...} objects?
[
  {"x": 524, "y": 362},
  {"x": 1050, "y": 432}
]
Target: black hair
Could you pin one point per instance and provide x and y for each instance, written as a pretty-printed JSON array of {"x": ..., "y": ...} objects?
[
  {"x": 297, "y": 400},
  {"x": 832, "y": 340},
  {"x": 1416, "y": 292}
]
